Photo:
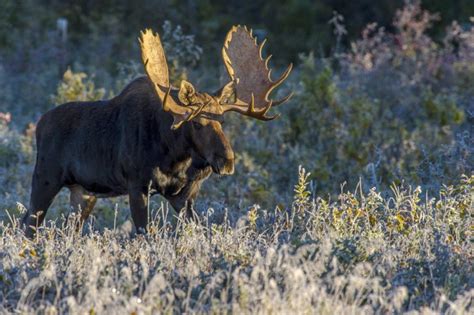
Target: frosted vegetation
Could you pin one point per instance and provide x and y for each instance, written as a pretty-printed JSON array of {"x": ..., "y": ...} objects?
[
  {"x": 361, "y": 253},
  {"x": 379, "y": 220}
]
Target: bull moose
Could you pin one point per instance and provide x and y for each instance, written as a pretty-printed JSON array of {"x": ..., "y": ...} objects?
[{"x": 152, "y": 137}]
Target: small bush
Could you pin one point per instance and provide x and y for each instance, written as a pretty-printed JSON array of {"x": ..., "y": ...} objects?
[{"x": 74, "y": 88}]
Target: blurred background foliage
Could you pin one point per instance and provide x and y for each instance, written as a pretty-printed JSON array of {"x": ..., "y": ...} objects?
[
  {"x": 384, "y": 91},
  {"x": 106, "y": 28}
]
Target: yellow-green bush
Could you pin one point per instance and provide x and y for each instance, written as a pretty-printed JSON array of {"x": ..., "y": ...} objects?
[{"x": 76, "y": 86}]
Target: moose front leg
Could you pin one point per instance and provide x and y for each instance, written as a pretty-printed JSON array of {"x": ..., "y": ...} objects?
[
  {"x": 181, "y": 203},
  {"x": 139, "y": 209}
]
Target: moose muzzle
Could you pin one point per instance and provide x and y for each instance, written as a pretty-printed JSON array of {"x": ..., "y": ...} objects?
[{"x": 223, "y": 165}]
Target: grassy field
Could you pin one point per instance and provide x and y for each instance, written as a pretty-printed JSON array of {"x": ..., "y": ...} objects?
[
  {"x": 361, "y": 253},
  {"x": 359, "y": 199}
]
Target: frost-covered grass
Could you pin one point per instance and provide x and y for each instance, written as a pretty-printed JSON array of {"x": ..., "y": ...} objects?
[{"x": 362, "y": 253}]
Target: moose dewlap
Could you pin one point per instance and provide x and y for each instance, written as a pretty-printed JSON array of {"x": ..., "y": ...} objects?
[{"x": 152, "y": 137}]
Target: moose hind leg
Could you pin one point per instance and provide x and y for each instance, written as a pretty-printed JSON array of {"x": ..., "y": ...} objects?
[
  {"x": 81, "y": 202},
  {"x": 43, "y": 191}
]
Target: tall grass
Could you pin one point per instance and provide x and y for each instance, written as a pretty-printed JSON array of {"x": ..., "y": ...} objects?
[{"x": 361, "y": 253}]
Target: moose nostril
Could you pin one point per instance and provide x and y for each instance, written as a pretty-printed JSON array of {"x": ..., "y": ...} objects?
[{"x": 230, "y": 169}]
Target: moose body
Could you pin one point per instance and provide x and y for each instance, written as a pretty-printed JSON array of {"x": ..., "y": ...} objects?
[
  {"x": 123, "y": 146},
  {"x": 151, "y": 138}
]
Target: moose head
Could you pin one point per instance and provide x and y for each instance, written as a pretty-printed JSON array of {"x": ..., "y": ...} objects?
[{"x": 247, "y": 93}]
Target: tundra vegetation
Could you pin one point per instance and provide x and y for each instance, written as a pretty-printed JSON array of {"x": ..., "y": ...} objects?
[{"x": 358, "y": 199}]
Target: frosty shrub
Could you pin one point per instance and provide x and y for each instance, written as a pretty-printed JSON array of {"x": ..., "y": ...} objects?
[
  {"x": 396, "y": 106},
  {"x": 16, "y": 164},
  {"x": 181, "y": 51}
]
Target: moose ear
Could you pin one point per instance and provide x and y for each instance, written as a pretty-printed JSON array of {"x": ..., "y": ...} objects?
[
  {"x": 227, "y": 93},
  {"x": 187, "y": 93}
]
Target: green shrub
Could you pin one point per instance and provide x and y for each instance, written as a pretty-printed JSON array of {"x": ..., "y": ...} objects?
[{"x": 76, "y": 87}]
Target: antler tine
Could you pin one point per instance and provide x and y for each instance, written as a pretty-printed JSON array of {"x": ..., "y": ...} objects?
[
  {"x": 276, "y": 83},
  {"x": 283, "y": 100},
  {"x": 283, "y": 76},
  {"x": 252, "y": 104},
  {"x": 250, "y": 110},
  {"x": 196, "y": 112},
  {"x": 260, "y": 49}
]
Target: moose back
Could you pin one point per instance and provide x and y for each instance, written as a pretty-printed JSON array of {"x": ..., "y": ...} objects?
[{"x": 151, "y": 138}]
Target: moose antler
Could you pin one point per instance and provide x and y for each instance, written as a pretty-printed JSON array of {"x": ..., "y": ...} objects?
[
  {"x": 251, "y": 81},
  {"x": 154, "y": 60},
  {"x": 250, "y": 74}
]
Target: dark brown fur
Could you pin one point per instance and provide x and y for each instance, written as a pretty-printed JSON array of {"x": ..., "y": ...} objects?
[{"x": 123, "y": 146}]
